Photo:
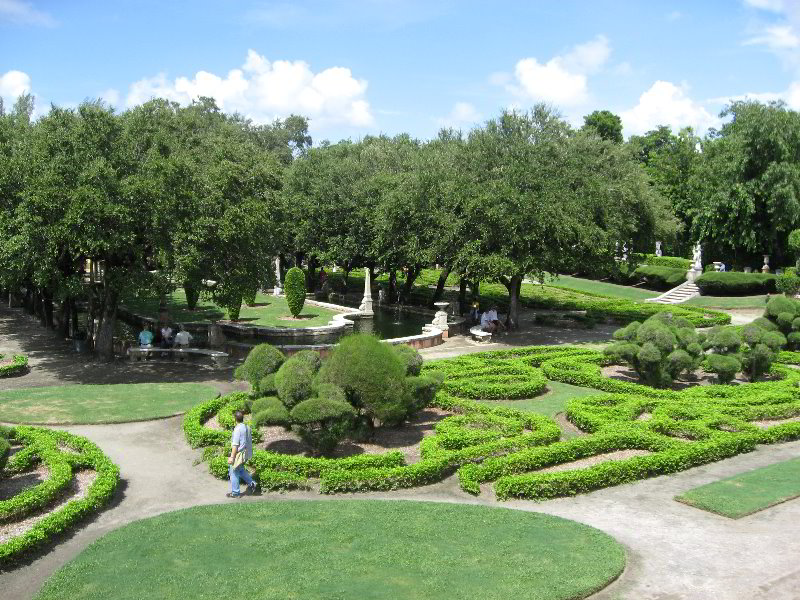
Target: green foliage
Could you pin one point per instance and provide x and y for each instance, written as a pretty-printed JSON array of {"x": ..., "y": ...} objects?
[
  {"x": 605, "y": 124},
  {"x": 757, "y": 361},
  {"x": 788, "y": 284},
  {"x": 17, "y": 365},
  {"x": 323, "y": 422},
  {"x": 765, "y": 323},
  {"x": 295, "y": 290},
  {"x": 261, "y": 361},
  {"x": 294, "y": 381},
  {"x": 724, "y": 365},
  {"x": 411, "y": 357},
  {"x": 5, "y": 450},
  {"x": 63, "y": 454},
  {"x": 192, "y": 293},
  {"x": 673, "y": 262},
  {"x": 730, "y": 283},
  {"x": 723, "y": 340},
  {"x": 266, "y": 385},
  {"x": 793, "y": 242},
  {"x": 660, "y": 278},
  {"x": 781, "y": 304},
  {"x": 270, "y": 411},
  {"x": 311, "y": 358},
  {"x": 372, "y": 376}
]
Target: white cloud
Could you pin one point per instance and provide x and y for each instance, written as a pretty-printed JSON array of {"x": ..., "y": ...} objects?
[
  {"x": 791, "y": 96},
  {"x": 12, "y": 85},
  {"x": 462, "y": 114},
  {"x": 773, "y": 5},
  {"x": 264, "y": 90},
  {"x": 666, "y": 104},
  {"x": 776, "y": 37},
  {"x": 110, "y": 96},
  {"x": 22, "y": 13},
  {"x": 562, "y": 80}
]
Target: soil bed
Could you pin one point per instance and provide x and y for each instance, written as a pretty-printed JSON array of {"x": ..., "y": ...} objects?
[{"x": 698, "y": 377}]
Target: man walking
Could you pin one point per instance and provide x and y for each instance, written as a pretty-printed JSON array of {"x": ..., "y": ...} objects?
[{"x": 241, "y": 452}]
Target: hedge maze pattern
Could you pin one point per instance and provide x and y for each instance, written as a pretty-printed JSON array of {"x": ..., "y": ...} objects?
[
  {"x": 64, "y": 455},
  {"x": 506, "y": 447}
]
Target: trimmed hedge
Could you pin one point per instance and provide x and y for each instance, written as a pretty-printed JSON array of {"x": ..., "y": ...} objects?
[
  {"x": 660, "y": 278},
  {"x": 45, "y": 445},
  {"x": 672, "y": 262},
  {"x": 295, "y": 289},
  {"x": 729, "y": 283},
  {"x": 17, "y": 366}
]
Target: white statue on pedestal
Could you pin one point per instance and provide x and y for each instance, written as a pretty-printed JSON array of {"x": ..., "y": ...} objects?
[
  {"x": 277, "y": 291},
  {"x": 366, "y": 302},
  {"x": 697, "y": 257},
  {"x": 658, "y": 249}
]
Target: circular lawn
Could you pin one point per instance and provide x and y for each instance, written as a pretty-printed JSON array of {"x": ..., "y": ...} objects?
[
  {"x": 343, "y": 549},
  {"x": 88, "y": 404}
]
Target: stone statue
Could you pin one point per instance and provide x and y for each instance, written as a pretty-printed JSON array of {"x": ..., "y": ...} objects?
[
  {"x": 697, "y": 257},
  {"x": 366, "y": 302},
  {"x": 658, "y": 249},
  {"x": 765, "y": 268},
  {"x": 278, "y": 290}
]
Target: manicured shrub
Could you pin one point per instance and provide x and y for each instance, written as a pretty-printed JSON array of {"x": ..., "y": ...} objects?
[
  {"x": 266, "y": 385},
  {"x": 788, "y": 284},
  {"x": 729, "y": 283},
  {"x": 411, "y": 358},
  {"x": 192, "y": 293},
  {"x": 757, "y": 361},
  {"x": 423, "y": 390},
  {"x": 778, "y": 305},
  {"x": 260, "y": 362},
  {"x": 309, "y": 357},
  {"x": 249, "y": 297},
  {"x": 673, "y": 262},
  {"x": 264, "y": 403},
  {"x": 5, "y": 450},
  {"x": 293, "y": 381},
  {"x": 784, "y": 321},
  {"x": 372, "y": 376},
  {"x": 295, "y": 290},
  {"x": 660, "y": 278},
  {"x": 323, "y": 422},
  {"x": 766, "y": 324},
  {"x": 724, "y": 365},
  {"x": 270, "y": 411},
  {"x": 723, "y": 340},
  {"x": 794, "y": 340}
]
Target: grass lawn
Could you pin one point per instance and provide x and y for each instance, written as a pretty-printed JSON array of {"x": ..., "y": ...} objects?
[
  {"x": 748, "y": 492},
  {"x": 728, "y": 301},
  {"x": 602, "y": 287},
  {"x": 340, "y": 549},
  {"x": 267, "y": 311},
  {"x": 87, "y": 404}
]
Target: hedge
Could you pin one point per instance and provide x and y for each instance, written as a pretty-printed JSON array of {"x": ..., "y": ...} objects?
[
  {"x": 673, "y": 262},
  {"x": 485, "y": 443},
  {"x": 732, "y": 283},
  {"x": 44, "y": 445},
  {"x": 660, "y": 278},
  {"x": 17, "y": 366}
]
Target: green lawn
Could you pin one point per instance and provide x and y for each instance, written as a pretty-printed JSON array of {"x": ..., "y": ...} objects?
[
  {"x": 342, "y": 549},
  {"x": 748, "y": 492},
  {"x": 267, "y": 311},
  {"x": 86, "y": 404},
  {"x": 729, "y": 301},
  {"x": 602, "y": 287}
]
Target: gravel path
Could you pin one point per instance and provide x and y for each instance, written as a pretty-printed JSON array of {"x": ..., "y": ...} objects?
[{"x": 675, "y": 551}]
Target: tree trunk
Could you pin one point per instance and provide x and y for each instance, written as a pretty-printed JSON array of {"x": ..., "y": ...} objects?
[
  {"x": 437, "y": 295},
  {"x": 392, "y": 293},
  {"x": 73, "y": 317},
  {"x": 514, "y": 286},
  {"x": 462, "y": 292},
  {"x": 104, "y": 342},
  {"x": 409, "y": 283},
  {"x": 65, "y": 318},
  {"x": 311, "y": 279}
]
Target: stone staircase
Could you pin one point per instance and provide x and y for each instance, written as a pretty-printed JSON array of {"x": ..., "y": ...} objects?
[{"x": 676, "y": 295}]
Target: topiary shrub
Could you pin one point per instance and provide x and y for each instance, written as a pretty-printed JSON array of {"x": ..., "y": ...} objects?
[
  {"x": 5, "y": 451},
  {"x": 765, "y": 324},
  {"x": 794, "y": 246},
  {"x": 778, "y": 305},
  {"x": 723, "y": 340},
  {"x": 372, "y": 376},
  {"x": 266, "y": 385},
  {"x": 260, "y": 362},
  {"x": 249, "y": 296},
  {"x": 270, "y": 411},
  {"x": 410, "y": 357},
  {"x": 295, "y": 290},
  {"x": 724, "y": 365},
  {"x": 674, "y": 262},
  {"x": 660, "y": 278},
  {"x": 323, "y": 421},
  {"x": 731, "y": 283},
  {"x": 192, "y": 293},
  {"x": 423, "y": 389},
  {"x": 309, "y": 357},
  {"x": 788, "y": 284},
  {"x": 294, "y": 381},
  {"x": 659, "y": 350}
]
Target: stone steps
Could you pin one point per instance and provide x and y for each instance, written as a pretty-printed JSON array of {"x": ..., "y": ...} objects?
[{"x": 682, "y": 293}]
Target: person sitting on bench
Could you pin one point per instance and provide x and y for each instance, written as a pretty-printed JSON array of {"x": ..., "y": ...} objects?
[
  {"x": 490, "y": 322},
  {"x": 167, "y": 337},
  {"x": 146, "y": 337},
  {"x": 183, "y": 338}
]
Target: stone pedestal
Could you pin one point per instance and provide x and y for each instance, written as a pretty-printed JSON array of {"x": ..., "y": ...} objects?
[
  {"x": 765, "y": 268},
  {"x": 693, "y": 274},
  {"x": 366, "y": 302},
  {"x": 216, "y": 338},
  {"x": 440, "y": 318},
  {"x": 278, "y": 288}
]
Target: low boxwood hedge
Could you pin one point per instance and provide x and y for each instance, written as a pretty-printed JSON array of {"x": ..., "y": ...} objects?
[
  {"x": 63, "y": 453},
  {"x": 660, "y": 278},
  {"x": 732, "y": 283},
  {"x": 674, "y": 262},
  {"x": 18, "y": 364}
]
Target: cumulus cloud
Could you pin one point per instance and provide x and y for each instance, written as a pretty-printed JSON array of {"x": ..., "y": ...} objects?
[
  {"x": 12, "y": 85},
  {"x": 23, "y": 13},
  {"x": 462, "y": 114},
  {"x": 263, "y": 90},
  {"x": 666, "y": 104},
  {"x": 773, "y": 5},
  {"x": 563, "y": 79},
  {"x": 791, "y": 96}
]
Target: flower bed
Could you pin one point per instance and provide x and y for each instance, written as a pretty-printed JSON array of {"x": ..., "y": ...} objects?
[
  {"x": 484, "y": 443},
  {"x": 64, "y": 454}
]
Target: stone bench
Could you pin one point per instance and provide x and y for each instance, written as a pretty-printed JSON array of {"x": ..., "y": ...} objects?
[
  {"x": 220, "y": 359},
  {"x": 479, "y": 335}
]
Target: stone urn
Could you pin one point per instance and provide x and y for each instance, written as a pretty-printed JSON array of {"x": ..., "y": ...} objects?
[
  {"x": 765, "y": 268},
  {"x": 440, "y": 318}
]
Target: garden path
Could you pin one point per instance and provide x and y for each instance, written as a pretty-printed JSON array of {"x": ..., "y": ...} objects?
[{"x": 674, "y": 551}]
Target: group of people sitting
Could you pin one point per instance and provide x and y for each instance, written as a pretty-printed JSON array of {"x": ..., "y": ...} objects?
[
  {"x": 167, "y": 337},
  {"x": 489, "y": 320}
]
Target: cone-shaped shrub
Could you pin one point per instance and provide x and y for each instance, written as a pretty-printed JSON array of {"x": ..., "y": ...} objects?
[{"x": 295, "y": 290}]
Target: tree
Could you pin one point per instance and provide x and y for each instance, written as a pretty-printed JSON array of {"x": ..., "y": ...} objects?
[{"x": 605, "y": 124}]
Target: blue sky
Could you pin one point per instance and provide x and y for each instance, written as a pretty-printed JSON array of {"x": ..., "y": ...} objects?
[{"x": 359, "y": 67}]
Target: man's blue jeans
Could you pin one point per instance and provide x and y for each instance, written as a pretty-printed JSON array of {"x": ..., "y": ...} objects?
[{"x": 236, "y": 474}]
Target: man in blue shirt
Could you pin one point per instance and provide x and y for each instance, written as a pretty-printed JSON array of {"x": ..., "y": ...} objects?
[
  {"x": 146, "y": 337},
  {"x": 241, "y": 452}
]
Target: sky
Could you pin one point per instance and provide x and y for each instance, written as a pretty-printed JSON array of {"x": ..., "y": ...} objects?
[{"x": 366, "y": 67}]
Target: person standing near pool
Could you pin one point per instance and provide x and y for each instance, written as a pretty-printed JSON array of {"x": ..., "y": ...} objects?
[{"x": 241, "y": 452}]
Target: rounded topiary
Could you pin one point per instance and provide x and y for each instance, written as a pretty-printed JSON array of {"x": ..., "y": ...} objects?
[
  {"x": 678, "y": 362},
  {"x": 725, "y": 366},
  {"x": 249, "y": 296},
  {"x": 295, "y": 290},
  {"x": 765, "y": 324},
  {"x": 309, "y": 357},
  {"x": 192, "y": 293},
  {"x": 410, "y": 357},
  {"x": 794, "y": 245},
  {"x": 322, "y": 422},
  {"x": 778, "y": 305},
  {"x": 757, "y": 361},
  {"x": 261, "y": 404},
  {"x": 784, "y": 321},
  {"x": 794, "y": 340},
  {"x": 270, "y": 411},
  {"x": 266, "y": 385},
  {"x": 260, "y": 362},
  {"x": 293, "y": 381},
  {"x": 372, "y": 376}
]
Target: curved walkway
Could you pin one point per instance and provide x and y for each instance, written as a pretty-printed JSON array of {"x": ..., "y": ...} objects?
[{"x": 674, "y": 551}]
